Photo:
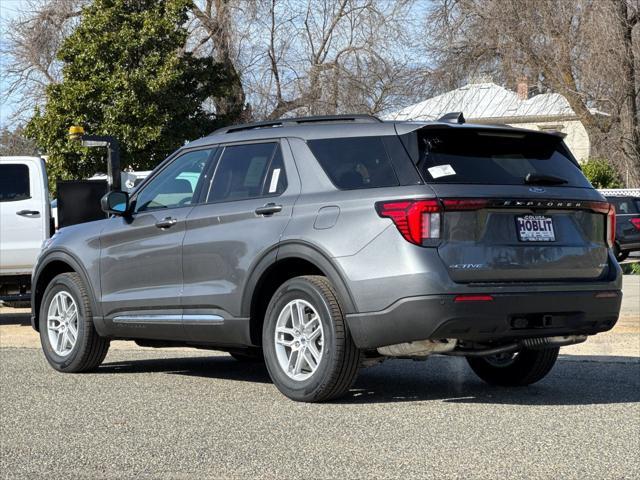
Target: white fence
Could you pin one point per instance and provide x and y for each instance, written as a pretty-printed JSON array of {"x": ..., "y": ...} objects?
[{"x": 620, "y": 192}]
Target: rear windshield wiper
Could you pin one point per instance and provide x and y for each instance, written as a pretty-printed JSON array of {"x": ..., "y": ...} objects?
[{"x": 541, "y": 179}]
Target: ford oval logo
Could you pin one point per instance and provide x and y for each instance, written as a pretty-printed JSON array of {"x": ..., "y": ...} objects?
[{"x": 537, "y": 190}]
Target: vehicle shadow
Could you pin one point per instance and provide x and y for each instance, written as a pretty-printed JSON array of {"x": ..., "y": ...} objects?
[
  {"x": 220, "y": 366},
  {"x": 15, "y": 318},
  {"x": 575, "y": 380}
]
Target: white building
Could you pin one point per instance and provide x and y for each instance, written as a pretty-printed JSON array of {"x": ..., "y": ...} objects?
[{"x": 488, "y": 103}]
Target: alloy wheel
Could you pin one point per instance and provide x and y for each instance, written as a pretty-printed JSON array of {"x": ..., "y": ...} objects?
[
  {"x": 62, "y": 323},
  {"x": 299, "y": 339}
]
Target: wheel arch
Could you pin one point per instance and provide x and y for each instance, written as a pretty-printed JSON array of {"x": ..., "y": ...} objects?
[
  {"x": 53, "y": 265},
  {"x": 290, "y": 259}
]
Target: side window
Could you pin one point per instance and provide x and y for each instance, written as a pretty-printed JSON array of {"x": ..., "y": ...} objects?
[
  {"x": 176, "y": 185},
  {"x": 353, "y": 163},
  {"x": 14, "y": 182},
  {"x": 248, "y": 171}
]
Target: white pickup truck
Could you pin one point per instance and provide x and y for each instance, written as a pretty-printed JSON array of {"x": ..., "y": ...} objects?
[{"x": 25, "y": 222}]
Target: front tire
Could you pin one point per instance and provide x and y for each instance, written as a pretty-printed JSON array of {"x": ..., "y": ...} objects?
[
  {"x": 69, "y": 340},
  {"x": 308, "y": 350},
  {"x": 519, "y": 369}
]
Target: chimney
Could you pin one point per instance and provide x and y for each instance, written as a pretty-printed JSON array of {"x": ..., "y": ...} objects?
[{"x": 522, "y": 89}]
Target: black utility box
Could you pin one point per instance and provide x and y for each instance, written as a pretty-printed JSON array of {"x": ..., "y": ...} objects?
[{"x": 79, "y": 201}]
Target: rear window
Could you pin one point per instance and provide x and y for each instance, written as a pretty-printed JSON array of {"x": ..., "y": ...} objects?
[
  {"x": 625, "y": 205},
  {"x": 355, "y": 162},
  {"x": 490, "y": 157},
  {"x": 14, "y": 182}
]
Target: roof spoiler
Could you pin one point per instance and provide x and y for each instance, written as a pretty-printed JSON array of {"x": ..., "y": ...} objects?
[
  {"x": 452, "y": 117},
  {"x": 298, "y": 121}
]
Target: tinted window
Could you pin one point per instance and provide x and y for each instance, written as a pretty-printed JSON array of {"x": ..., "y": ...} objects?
[
  {"x": 489, "y": 157},
  {"x": 14, "y": 182},
  {"x": 176, "y": 185},
  {"x": 248, "y": 171},
  {"x": 625, "y": 205},
  {"x": 357, "y": 162}
]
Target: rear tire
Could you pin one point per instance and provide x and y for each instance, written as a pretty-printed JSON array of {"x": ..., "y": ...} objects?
[
  {"x": 69, "y": 340},
  {"x": 311, "y": 357},
  {"x": 524, "y": 368}
]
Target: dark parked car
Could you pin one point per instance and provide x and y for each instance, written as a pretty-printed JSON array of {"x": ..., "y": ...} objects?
[
  {"x": 627, "y": 225},
  {"x": 324, "y": 244}
]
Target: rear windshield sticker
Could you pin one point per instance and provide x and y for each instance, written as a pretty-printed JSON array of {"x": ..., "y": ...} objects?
[{"x": 441, "y": 171}]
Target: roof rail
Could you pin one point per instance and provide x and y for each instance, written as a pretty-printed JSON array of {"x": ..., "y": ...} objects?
[
  {"x": 297, "y": 121},
  {"x": 452, "y": 117}
]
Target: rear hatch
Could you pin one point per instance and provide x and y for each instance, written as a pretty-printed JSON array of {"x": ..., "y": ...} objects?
[{"x": 515, "y": 205}]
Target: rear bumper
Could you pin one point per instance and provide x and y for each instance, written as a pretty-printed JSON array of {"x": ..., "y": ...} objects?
[{"x": 508, "y": 316}]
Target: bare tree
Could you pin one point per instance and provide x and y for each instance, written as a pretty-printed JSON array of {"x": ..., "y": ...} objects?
[
  {"x": 31, "y": 43},
  {"x": 337, "y": 56},
  {"x": 586, "y": 50},
  {"x": 214, "y": 33},
  {"x": 285, "y": 57},
  {"x": 314, "y": 56},
  {"x": 14, "y": 143}
]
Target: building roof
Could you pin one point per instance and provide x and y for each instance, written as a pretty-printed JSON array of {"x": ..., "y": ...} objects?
[{"x": 486, "y": 100}]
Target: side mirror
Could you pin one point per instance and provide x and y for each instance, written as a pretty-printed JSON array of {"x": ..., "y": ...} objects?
[{"x": 115, "y": 203}]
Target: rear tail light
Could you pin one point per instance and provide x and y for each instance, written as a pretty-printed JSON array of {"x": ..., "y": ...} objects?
[
  {"x": 611, "y": 226},
  {"x": 416, "y": 220},
  {"x": 636, "y": 222},
  {"x": 420, "y": 220},
  {"x": 609, "y": 210}
]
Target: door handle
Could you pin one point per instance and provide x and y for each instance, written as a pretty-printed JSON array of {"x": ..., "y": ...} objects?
[
  {"x": 166, "y": 222},
  {"x": 27, "y": 213},
  {"x": 268, "y": 209}
]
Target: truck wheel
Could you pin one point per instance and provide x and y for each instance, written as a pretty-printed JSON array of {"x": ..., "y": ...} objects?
[
  {"x": 69, "y": 339},
  {"x": 515, "y": 369},
  {"x": 307, "y": 348}
]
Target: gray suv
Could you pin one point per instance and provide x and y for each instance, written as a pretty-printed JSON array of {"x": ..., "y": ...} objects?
[{"x": 319, "y": 245}]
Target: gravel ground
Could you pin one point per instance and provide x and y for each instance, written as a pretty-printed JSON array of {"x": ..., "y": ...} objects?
[{"x": 182, "y": 413}]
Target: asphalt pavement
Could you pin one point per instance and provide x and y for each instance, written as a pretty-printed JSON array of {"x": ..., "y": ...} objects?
[
  {"x": 173, "y": 415},
  {"x": 196, "y": 414}
]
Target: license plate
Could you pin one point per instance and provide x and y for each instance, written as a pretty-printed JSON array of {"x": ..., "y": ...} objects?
[{"x": 535, "y": 228}]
